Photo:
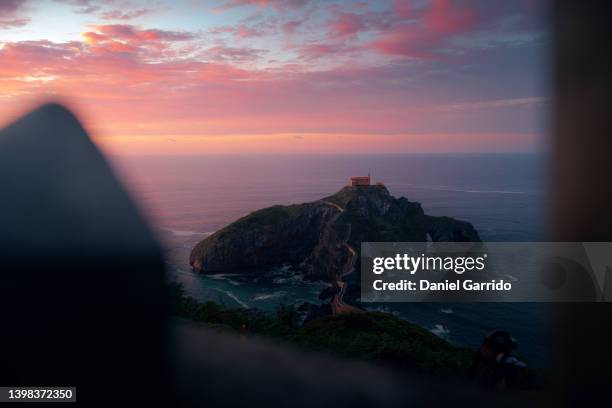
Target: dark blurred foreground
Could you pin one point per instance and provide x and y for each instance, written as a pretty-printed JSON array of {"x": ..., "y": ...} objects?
[{"x": 82, "y": 296}]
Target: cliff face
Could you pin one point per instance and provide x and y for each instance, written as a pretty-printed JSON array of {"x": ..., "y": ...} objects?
[{"x": 322, "y": 238}]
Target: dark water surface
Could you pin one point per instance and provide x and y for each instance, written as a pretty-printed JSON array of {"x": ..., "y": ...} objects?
[{"x": 188, "y": 198}]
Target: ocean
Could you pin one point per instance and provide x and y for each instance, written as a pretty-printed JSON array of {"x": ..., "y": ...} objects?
[{"x": 503, "y": 195}]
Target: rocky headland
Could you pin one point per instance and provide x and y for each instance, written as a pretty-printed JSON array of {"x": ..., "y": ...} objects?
[{"x": 321, "y": 239}]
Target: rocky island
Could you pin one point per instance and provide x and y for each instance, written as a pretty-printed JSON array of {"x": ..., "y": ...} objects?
[{"x": 321, "y": 239}]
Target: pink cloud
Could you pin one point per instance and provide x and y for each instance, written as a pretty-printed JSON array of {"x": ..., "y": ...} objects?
[
  {"x": 28, "y": 57},
  {"x": 347, "y": 25},
  {"x": 129, "y": 32},
  {"x": 124, "y": 15},
  {"x": 233, "y": 54},
  {"x": 10, "y": 6},
  {"x": 9, "y": 14},
  {"x": 441, "y": 21},
  {"x": 443, "y": 17},
  {"x": 240, "y": 31},
  {"x": 289, "y": 27},
  {"x": 87, "y": 10},
  {"x": 121, "y": 38},
  {"x": 135, "y": 81},
  {"x": 318, "y": 50},
  {"x": 278, "y": 4},
  {"x": 129, "y": 96},
  {"x": 84, "y": 6},
  {"x": 402, "y": 8},
  {"x": 244, "y": 31},
  {"x": 13, "y": 22}
]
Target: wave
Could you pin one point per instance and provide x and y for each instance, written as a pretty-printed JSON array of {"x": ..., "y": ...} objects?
[
  {"x": 291, "y": 279},
  {"x": 441, "y": 331},
  {"x": 226, "y": 277},
  {"x": 447, "y": 310},
  {"x": 268, "y": 296},
  {"x": 222, "y": 276},
  {"x": 234, "y": 297}
]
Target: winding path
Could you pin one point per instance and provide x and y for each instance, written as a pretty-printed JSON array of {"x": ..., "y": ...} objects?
[{"x": 337, "y": 304}]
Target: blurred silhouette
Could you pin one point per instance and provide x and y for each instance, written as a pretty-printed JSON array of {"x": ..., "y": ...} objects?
[
  {"x": 581, "y": 199},
  {"x": 81, "y": 282}
]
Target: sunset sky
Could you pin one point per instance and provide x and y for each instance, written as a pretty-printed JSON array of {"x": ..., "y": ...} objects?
[{"x": 284, "y": 76}]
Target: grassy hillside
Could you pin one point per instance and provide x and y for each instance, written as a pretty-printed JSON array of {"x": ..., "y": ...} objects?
[{"x": 373, "y": 336}]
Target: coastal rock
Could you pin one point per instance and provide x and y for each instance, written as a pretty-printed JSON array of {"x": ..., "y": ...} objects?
[{"x": 322, "y": 238}]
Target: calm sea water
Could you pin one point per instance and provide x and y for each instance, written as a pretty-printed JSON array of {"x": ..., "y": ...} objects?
[{"x": 188, "y": 198}]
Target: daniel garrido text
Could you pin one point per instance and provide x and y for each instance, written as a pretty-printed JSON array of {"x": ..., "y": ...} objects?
[{"x": 457, "y": 285}]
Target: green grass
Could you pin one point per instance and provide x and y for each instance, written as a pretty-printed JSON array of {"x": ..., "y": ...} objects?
[
  {"x": 374, "y": 336},
  {"x": 384, "y": 339}
]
